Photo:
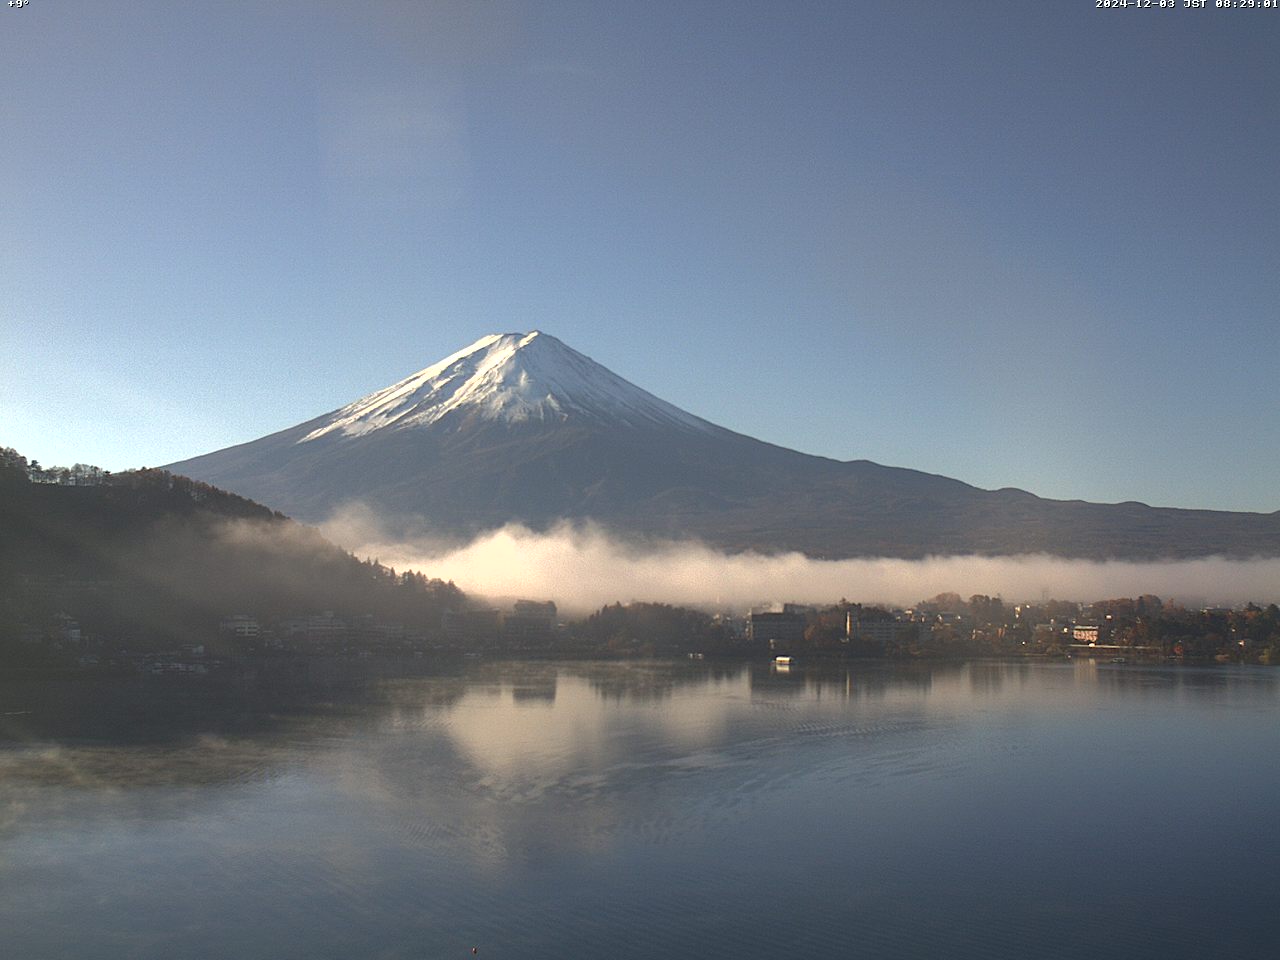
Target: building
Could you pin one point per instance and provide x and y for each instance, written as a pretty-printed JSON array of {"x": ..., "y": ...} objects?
[
  {"x": 1085, "y": 633},
  {"x": 240, "y": 625},
  {"x": 887, "y": 632},
  {"x": 323, "y": 630},
  {"x": 779, "y": 629},
  {"x": 531, "y": 621}
]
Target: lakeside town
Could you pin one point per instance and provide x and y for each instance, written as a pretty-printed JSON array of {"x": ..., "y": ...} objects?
[{"x": 945, "y": 627}]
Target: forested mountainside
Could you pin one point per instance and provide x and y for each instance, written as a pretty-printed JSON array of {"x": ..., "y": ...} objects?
[{"x": 151, "y": 559}]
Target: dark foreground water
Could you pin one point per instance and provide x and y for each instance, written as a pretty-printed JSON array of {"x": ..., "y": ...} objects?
[{"x": 650, "y": 810}]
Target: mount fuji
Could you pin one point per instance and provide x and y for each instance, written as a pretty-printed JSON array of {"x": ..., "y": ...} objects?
[{"x": 522, "y": 428}]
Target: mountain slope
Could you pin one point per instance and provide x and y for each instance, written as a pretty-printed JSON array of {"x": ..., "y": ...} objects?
[
  {"x": 154, "y": 559},
  {"x": 522, "y": 428}
]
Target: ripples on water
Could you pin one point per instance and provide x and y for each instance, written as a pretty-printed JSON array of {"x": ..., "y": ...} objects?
[{"x": 644, "y": 810}]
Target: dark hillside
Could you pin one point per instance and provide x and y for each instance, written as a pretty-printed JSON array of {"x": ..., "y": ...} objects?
[{"x": 151, "y": 559}]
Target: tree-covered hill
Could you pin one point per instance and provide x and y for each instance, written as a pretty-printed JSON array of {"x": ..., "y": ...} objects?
[{"x": 151, "y": 559}]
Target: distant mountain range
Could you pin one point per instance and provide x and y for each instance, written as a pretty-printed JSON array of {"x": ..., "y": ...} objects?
[{"x": 520, "y": 427}]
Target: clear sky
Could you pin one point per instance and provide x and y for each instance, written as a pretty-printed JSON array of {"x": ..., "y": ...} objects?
[{"x": 1020, "y": 244}]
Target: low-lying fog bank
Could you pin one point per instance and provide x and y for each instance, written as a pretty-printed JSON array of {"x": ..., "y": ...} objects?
[{"x": 582, "y": 568}]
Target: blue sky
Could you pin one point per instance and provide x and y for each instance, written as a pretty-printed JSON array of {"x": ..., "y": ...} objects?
[{"x": 1032, "y": 245}]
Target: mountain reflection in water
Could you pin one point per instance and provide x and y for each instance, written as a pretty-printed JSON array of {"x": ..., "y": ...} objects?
[{"x": 642, "y": 809}]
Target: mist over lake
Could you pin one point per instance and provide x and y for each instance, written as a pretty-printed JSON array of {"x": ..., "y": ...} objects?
[{"x": 648, "y": 809}]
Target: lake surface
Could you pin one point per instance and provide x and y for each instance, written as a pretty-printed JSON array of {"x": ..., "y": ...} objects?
[{"x": 650, "y": 810}]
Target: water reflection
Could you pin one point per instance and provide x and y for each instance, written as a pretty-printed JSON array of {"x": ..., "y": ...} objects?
[{"x": 549, "y": 808}]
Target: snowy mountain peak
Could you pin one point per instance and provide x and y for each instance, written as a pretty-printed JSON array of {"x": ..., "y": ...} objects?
[{"x": 511, "y": 378}]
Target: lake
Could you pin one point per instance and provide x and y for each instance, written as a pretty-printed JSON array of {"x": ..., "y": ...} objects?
[{"x": 552, "y": 810}]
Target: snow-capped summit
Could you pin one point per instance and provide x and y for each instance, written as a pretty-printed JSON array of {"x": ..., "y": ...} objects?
[
  {"x": 511, "y": 378},
  {"x": 519, "y": 428}
]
